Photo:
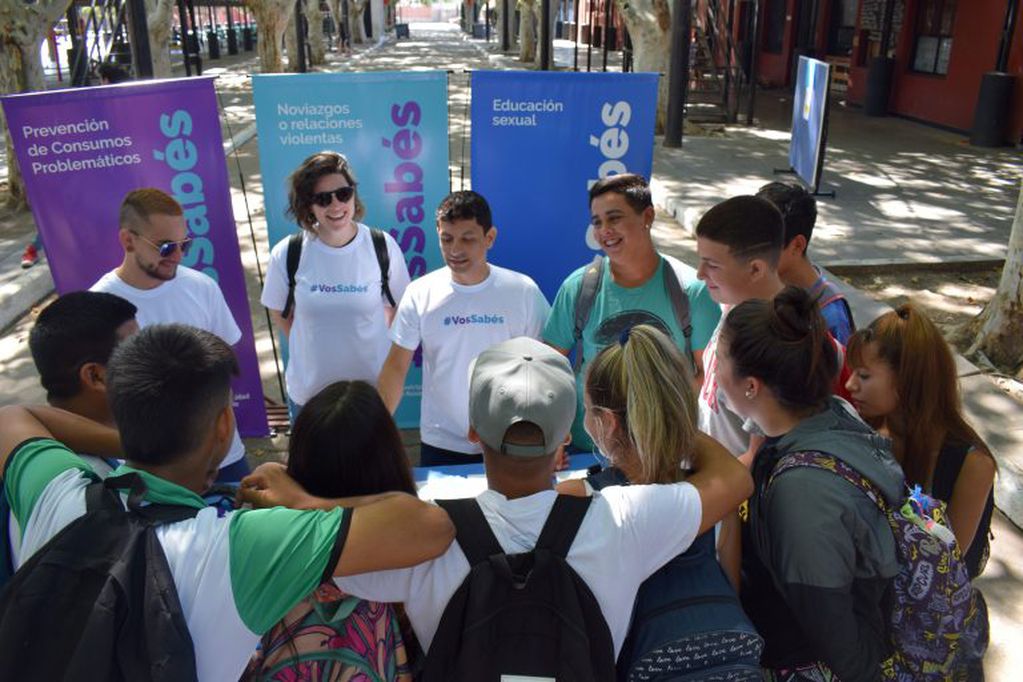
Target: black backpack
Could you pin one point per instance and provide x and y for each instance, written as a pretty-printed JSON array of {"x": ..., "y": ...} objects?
[
  {"x": 590, "y": 285},
  {"x": 98, "y": 602},
  {"x": 295, "y": 255},
  {"x": 527, "y": 614}
]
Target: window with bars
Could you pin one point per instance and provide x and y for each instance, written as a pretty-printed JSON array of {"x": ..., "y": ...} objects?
[{"x": 934, "y": 21}]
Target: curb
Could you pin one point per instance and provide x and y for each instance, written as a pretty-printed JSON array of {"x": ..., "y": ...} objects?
[
  {"x": 891, "y": 265},
  {"x": 22, "y": 289}
]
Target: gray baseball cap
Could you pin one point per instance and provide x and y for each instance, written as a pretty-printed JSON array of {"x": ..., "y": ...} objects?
[{"x": 521, "y": 380}]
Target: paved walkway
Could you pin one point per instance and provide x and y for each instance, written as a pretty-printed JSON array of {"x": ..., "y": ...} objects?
[{"x": 905, "y": 192}]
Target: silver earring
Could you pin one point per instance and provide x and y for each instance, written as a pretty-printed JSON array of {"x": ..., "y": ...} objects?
[{"x": 749, "y": 394}]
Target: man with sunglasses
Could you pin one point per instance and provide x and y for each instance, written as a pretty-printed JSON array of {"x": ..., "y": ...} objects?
[{"x": 155, "y": 240}]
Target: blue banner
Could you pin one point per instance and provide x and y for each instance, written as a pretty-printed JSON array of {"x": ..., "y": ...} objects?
[
  {"x": 809, "y": 120},
  {"x": 539, "y": 141},
  {"x": 393, "y": 127}
]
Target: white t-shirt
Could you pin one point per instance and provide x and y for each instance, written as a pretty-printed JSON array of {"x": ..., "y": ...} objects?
[
  {"x": 190, "y": 298},
  {"x": 455, "y": 323},
  {"x": 340, "y": 327},
  {"x": 716, "y": 417},
  {"x": 628, "y": 533},
  {"x": 236, "y": 574}
]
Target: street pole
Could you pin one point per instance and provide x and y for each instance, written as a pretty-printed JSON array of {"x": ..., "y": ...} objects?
[
  {"x": 141, "y": 54},
  {"x": 505, "y": 27},
  {"x": 195, "y": 28},
  {"x": 545, "y": 36},
  {"x": 754, "y": 35},
  {"x": 575, "y": 41},
  {"x": 678, "y": 73},
  {"x": 300, "y": 38},
  {"x": 604, "y": 31}
]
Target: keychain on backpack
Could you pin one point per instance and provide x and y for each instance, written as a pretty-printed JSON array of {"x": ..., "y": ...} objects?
[{"x": 927, "y": 513}]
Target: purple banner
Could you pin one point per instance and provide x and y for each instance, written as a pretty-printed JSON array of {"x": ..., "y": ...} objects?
[{"x": 82, "y": 150}]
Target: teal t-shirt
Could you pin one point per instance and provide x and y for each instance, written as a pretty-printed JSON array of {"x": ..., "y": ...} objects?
[{"x": 616, "y": 307}]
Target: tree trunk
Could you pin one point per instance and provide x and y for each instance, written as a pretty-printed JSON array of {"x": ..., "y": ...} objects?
[
  {"x": 335, "y": 16},
  {"x": 538, "y": 15},
  {"x": 1000, "y": 324},
  {"x": 649, "y": 25},
  {"x": 158, "y": 21},
  {"x": 317, "y": 45},
  {"x": 527, "y": 31},
  {"x": 356, "y": 8},
  {"x": 23, "y": 27},
  {"x": 10, "y": 82},
  {"x": 291, "y": 44},
  {"x": 271, "y": 18}
]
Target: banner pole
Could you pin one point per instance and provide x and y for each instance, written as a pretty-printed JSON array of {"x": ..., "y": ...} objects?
[
  {"x": 575, "y": 41},
  {"x": 604, "y": 31},
  {"x": 255, "y": 248},
  {"x": 545, "y": 36},
  {"x": 465, "y": 126}
]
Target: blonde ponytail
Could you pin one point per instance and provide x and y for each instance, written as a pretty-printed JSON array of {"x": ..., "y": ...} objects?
[{"x": 645, "y": 380}]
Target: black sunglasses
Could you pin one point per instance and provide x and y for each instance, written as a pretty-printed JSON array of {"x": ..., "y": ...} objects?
[
  {"x": 166, "y": 249},
  {"x": 343, "y": 194}
]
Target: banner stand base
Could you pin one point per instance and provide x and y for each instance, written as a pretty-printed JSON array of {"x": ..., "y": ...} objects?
[{"x": 816, "y": 190}]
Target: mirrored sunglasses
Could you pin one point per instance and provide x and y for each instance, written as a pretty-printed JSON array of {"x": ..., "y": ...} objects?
[{"x": 167, "y": 248}]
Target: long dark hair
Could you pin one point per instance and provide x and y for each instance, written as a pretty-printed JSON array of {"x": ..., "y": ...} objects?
[
  {"x": 784, "y": 343},
  {"x": 345, "y": 443},
  {"x": 927, "y": 383}
]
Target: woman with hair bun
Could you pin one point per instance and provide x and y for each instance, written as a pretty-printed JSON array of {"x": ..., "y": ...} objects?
[
  {"x": 904, "y": 383},
  {"x": 337, "y": 324},
  {"x": 818, "y": 554}
]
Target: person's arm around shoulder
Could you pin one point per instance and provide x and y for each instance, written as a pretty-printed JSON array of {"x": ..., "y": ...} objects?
[
  {"x": 722, "y": 481},
  {"x": 390, "y": 530},
  {"x": 18, "y": 424},
  {"x": 969, "y": 496}
]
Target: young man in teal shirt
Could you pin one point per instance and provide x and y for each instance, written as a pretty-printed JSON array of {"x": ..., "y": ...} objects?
[{"x": 632, "y": 288}]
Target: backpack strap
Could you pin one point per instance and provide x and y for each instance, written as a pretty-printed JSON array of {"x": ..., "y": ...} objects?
[
  {"x": 824, "y": 292},
  {"x": 106, "y": 495},
  {"x": 294, "y": 256},
  {"x": 563, "y": 523},
  {"x": 472, "y": 531},
  {"x": 384, "y": 260},
  {"x": 826, "y": 462},
  {"x": 6, "y": 558},
  {"x": 680, "y": 305},
  {"x": 588, "y": 288}
]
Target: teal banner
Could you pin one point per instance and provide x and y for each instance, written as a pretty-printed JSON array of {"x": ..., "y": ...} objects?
[{"x": 393, "y": 127}]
